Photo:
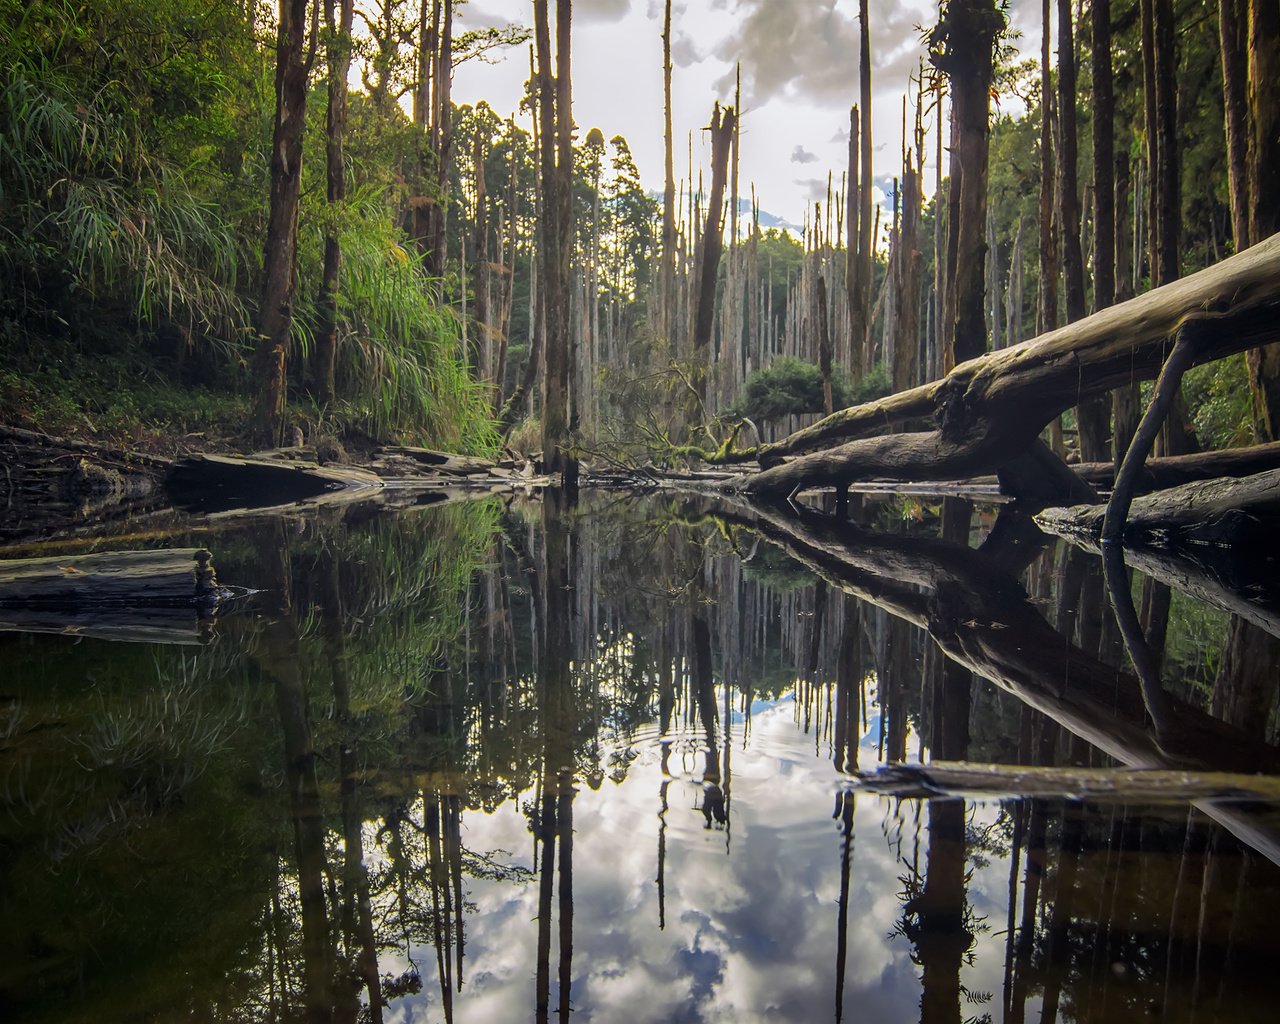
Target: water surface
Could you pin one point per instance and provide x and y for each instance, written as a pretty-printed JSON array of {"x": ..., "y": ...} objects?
[{"x": 497, "y": 762}]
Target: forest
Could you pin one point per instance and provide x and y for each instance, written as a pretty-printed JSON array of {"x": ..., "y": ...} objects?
[
  {"x": 243, "y": 226},
  {"x": 460, "y": 558}
]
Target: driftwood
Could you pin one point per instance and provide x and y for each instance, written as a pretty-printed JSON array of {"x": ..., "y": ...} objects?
[
  {"x": 1236, "y": 579},
  {"x": 1096, "y": 785},
  {"x": 990, "y": 410}
]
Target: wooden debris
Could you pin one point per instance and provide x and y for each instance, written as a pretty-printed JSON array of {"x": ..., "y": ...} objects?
[
  {"x": 176, "y": 577},
  {"x": 218, "y": 483},
  {"x": 1096, "y": 785},
  {"x": 1223, "y": 513}
]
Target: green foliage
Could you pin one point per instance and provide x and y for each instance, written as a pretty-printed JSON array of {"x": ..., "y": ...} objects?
[
  {"x": 1218, "y": 394},
  {"x": 790, "y": 386}
]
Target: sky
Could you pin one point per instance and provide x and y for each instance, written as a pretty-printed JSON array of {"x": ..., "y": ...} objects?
[
  {"x": 751, "y": 913},
  {"x": 799, "y": 77}
]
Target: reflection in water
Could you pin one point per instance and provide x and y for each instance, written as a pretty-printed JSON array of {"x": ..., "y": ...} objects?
[{"x": 455, "y": 762}]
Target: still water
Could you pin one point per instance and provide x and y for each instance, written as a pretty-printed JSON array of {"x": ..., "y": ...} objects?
[{"x": 489, "y": 762}]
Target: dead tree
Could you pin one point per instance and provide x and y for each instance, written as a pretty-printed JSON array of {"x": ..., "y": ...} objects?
[
  {"x": 722, "y": 125},
  {"x": 339, "y": 60}
]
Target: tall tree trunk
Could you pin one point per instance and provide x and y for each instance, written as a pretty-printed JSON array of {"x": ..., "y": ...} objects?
[
  {"x": 1169, "y": 202},
  {"x": 668, "y": 187},
  {"x": 1048, "y": 226},
  {"x": 1264, "y": 190},
  {"x": 866, "y": 229},
  {"x": 722, "y": 126},
  {"x": 1092, "y": 415},
  {"x": 555, "y": 102},
  {"x": 442, "y": 141},
  {"x": 1235, "y": 107},
  {"x": 480, "y": 250},
  {"x": 824, "y": 346},
  {"x": 339, "y": 59},
  {"x": 275, "y": 317},
  {"x": 965, "y": 52},
  {"x": 853, "y": 262}
]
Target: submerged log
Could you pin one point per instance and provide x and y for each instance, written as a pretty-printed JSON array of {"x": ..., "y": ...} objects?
[
  {"x": 981, "y": 617},
  {"x": 178, "y": 577},
  {"x": 989, "y": 410},
  {"x": 219, "y": 483},
  {"x": 1225, "y": 513}
]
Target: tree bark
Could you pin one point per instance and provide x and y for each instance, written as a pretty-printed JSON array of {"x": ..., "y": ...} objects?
[
  {"x": 1048, "y": 226},
  {"x": 964, "y": 50},
  {"x": 1235, "y": 106},
  {"x": 722, "y": 125},
  {"x": 1264, "y": 190},
  {"x": 669, "y": 186},
  {"x": 1091, "y": 414},
  {"x": 275, "y": 315},
  {"x": 555, "y": 103}
]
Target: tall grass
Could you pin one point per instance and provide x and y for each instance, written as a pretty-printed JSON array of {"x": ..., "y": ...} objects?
[
  {"x": 89, "y": 215},
  {"x": 400, "y": 350}
]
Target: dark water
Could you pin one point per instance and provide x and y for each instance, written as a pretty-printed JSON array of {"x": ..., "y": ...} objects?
[{"x": 500, "y": 763}]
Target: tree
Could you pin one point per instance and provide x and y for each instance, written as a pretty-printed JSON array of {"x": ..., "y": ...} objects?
[
  {"x": 555, "y": 101},
  {"x": 338, "y": 51},
  {"x": 275, "y": 316},
  {"x": 962, "y": 46}
]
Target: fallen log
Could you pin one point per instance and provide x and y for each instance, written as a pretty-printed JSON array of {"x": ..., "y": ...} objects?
[
  {"x": 989, "y": 410},
  {"x": 177, "y": 577},
  {"x": 1173, "y": 470},
  {"x": 446, "y": 464},
  {"x": 1239, "y": 581},
  {"x": 1095, "y": 785},
  {"x": 220, "y": 483},
  {"x": 1223, "y": 513}
]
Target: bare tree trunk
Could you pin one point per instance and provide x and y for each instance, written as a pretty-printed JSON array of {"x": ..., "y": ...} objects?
[
  {"x": 1235, "y": 106},
  {"x": 555, "y": 103},
  {"x": 669, "y": 186},
  {"x": 275, "y": 317},
  {"x": 866, "y": 236},
  {"x": 1048, "y": 232},
  {"x": 480, "y": 250},
  {"x": 722, "y": 127},
  {"x": 339, "y": 59},
  {"x": 853, "y": 262},
  {"x": 442, "y": 141},
  {"x": 1092, "y": 415},
  {"x": 824, "y": 346}
]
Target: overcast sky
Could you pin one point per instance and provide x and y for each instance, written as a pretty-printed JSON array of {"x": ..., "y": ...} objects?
[{"x": 799, "y": 77}]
